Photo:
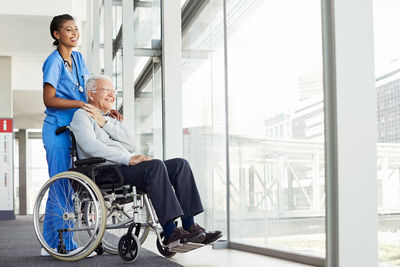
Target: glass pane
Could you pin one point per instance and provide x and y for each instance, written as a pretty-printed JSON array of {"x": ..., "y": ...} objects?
[
  {"x": 117, "y": 77},
  {"x": 148, "y": 104},
  {"x": 117, "y": 20},
  {"x": 138, "y": 65},
  {"x": 276, "y": 125},
  {"x": 204, "y": 111},
  {"x": 183, "y": 2},
  {"x": 147, "y": 21},
  {"x": 387, "y": 66},
  {"x": 148, "y": 121},
  {"x": 37, "y": 173},
  {"x": 117, "y": 60}
]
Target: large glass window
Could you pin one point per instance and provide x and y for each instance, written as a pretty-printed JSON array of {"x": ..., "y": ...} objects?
[
  {"x": 148, "y": 112},
  {"x": 37, "y": 171},
  {"x": 147, "y": 102},
  {"x": 387, "y": 73},
  {"x": 148, "y": 95},
  {"x": 203, "y": 92},
  {"x": 276, "y": 125}
]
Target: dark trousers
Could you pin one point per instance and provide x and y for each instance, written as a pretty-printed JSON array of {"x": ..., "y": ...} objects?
[{"x": 159, "y": 179}]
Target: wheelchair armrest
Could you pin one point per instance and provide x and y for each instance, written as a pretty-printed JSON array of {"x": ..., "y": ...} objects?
[
  {"x": 116, "y": 182},
  {"x": 88, "y": 161}
]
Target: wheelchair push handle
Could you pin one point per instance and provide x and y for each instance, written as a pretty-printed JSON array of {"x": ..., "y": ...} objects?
[{"x": 62, "y": 129}]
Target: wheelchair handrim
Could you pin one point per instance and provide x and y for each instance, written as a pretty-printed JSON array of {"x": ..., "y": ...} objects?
[{"x": 95, "y": 194}]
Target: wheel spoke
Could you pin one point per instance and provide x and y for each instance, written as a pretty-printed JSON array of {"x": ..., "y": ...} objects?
[{"x": 53, "y": 209}]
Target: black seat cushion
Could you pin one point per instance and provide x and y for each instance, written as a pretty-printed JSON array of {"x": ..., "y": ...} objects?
[{"x": 105, "y": 176}]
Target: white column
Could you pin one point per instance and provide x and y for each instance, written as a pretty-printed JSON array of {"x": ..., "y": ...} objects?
[
  {"x": 172, "y": 78},
  {"x": 128, "y": 81},
  {"x": 22, "y": 147},
  {"x": 108, "y": 31},
  {"x": 350, "y": 99},
  {"x": 95, "y": 66}
]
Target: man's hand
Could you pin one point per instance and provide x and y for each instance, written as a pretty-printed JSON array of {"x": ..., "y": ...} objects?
[
  {"x": 137, "y": 159},
  {"x": 116, "y": 115},
  {"x": 95, "y": 114}
]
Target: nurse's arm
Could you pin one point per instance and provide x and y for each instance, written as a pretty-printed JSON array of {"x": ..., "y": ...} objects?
[{"x": 52, "y": 101}]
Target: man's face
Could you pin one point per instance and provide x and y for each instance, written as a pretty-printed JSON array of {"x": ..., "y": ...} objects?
[{"x": 104, "y": 97}]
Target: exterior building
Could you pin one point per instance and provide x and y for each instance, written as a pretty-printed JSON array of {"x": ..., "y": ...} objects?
[
  {"x": 307, "y": 119},
  {"x": 310, "y": 85},
  {"x": 388, "y": 107}
]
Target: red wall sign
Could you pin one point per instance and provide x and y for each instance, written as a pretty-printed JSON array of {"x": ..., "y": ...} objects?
[{"x": 6, "y": 126}]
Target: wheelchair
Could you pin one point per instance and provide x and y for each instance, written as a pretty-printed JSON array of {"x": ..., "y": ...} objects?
[{"x": 108, "y": 217}]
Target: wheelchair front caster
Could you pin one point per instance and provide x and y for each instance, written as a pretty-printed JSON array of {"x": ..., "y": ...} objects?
[
  {"x": 129, "y": 248},
  {"x": 99, "y": 250},
  {"x": 164, "y": 251}
]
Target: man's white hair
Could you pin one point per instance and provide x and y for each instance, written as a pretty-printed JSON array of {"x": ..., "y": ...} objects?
[{"x": 90, "y": 85}]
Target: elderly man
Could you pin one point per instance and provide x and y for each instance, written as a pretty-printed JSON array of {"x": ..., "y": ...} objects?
[{"x": 98, "y": 135}]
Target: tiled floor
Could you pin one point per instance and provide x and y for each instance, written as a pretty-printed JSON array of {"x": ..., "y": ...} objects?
[{"x": 207, "y": 257}]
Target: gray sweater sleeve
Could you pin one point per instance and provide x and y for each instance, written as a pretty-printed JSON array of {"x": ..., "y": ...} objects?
[
  {"x": 83, "y": 127},
  {"x": 119, "y": 132}
]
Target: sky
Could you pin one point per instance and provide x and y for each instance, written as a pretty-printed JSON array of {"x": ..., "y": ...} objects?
[
  {"x": 264, "y": 65},
  {"x": 267, "y": 54},
  {"x": 386, "y": 34}
]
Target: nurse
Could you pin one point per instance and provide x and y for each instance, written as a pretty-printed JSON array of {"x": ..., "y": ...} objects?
[{"x": 64, "y": 75}]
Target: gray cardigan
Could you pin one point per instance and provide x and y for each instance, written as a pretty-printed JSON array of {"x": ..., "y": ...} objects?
[{"x": 113, "y": 142}]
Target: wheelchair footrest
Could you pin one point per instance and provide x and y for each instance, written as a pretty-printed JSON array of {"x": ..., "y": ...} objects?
[{"x": 185, "y": 247}]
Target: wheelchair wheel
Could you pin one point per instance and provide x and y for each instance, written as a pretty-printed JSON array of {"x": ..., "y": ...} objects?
[
  {"x": 63, "y": 200},
  {"x": 129, "y": 248},
  {"x": 164, "y": 251},
  {"x": 120, "y": 213}
]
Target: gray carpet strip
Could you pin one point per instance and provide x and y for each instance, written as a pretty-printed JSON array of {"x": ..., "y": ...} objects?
[{"x": 20, "y": 247}]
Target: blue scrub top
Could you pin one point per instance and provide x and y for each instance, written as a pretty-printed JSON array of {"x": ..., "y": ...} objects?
[{"x": 66, "y": 84}]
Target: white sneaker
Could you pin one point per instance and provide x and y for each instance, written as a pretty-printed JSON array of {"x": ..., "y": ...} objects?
[{"x": 44, "y": 253}]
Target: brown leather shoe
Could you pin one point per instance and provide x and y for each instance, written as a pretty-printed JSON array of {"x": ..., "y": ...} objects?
[
  {"x": 178, "y": 234},
  {"x": 196, "y": 234},
  {"x": 210, "y": 237}
]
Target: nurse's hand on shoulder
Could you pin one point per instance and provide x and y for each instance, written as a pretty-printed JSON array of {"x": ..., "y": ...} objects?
[
  {"x": 137, "y": 159},
  {"x": 95, "y": 114},
  {"x": 116, "y": 115}
]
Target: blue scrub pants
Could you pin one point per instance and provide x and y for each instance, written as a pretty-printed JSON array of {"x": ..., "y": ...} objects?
[{"x": 58, "y": 160}]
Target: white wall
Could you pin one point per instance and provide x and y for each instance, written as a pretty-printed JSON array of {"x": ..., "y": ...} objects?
[
  {"x": 26, "y": 41},
  {"x": 27, "y": 72},
  {"x": 5, "y": 88}
]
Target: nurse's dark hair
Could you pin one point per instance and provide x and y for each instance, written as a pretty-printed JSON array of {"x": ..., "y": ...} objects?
[{"x": 56, "y": 24}]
